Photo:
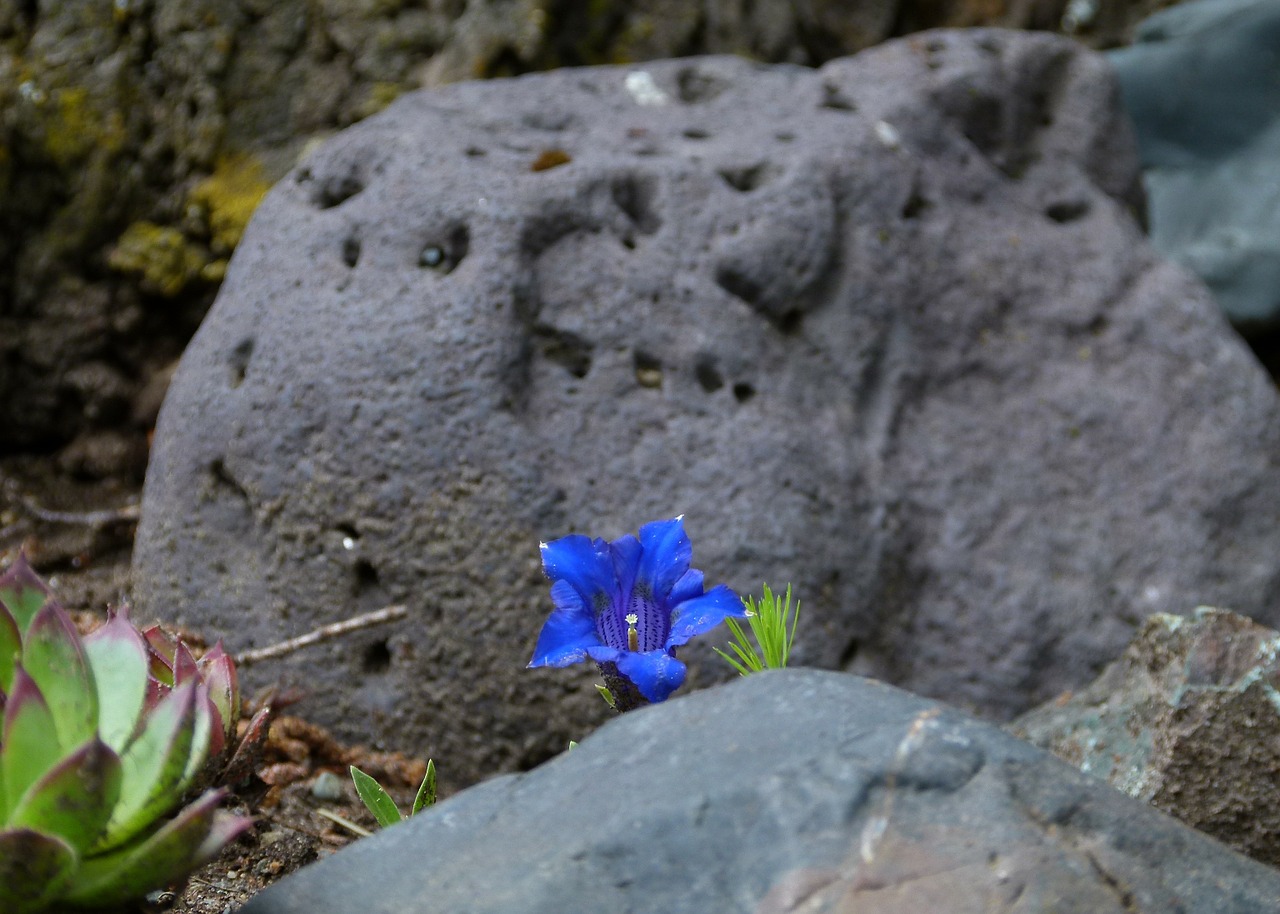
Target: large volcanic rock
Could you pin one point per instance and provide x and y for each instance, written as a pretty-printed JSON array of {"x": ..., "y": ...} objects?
[
  {"x": 886, "y": 330},
  {"x": 788, "y": 792}
]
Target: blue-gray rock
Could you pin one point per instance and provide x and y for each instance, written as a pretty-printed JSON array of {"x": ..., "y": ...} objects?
[
  {"x": 789, "y": 791},
  {"x": 1188, "y": 719},
  {"x": 885, "y": 330},
  {"x": 1200, "y": 82}
]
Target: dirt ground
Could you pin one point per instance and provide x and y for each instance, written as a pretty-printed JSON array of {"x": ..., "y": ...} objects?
[{"x": 78, "y": 534}]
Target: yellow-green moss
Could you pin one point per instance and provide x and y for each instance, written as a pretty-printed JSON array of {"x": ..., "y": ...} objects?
[
  {"x": 74, "y": 127},
  {"x": 228, "y": 197},
  {"x": 380, "y": 95},
  {"x": 160, "y": 255}
]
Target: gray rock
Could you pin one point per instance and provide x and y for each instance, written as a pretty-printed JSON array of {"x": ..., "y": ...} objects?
[
  {"x": 1187, "y": 719},
  {"x": 788, "y": 791},
  {"x": 885, "y": 330},
  {"x": 1200, "y": 84}
]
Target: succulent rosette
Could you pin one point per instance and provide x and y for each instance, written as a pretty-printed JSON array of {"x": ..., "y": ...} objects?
[
  {"x": 95, "y": 753},
  {"x": 627, "y": 605}
]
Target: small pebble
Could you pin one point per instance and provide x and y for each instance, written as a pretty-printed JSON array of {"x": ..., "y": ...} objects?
[{"x": 327, "y": 786}]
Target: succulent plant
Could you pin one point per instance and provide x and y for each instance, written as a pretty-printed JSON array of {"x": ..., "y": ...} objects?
[{"x": 102, "y": 736}]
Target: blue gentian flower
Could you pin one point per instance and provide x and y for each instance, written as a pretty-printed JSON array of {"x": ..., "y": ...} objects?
[{"x": 628, "y": 605}]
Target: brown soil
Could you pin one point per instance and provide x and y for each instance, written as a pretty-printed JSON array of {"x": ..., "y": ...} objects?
[{"x": 78, "y": 535}]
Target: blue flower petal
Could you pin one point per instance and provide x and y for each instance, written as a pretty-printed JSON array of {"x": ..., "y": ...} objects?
[
  {"x": 688, "y": 587},
  {"x": 626, "y": 552},
  {"x": 602, "y": 653},
  {"x": 666, "y": 557},
  {"x": 586, "y": 564},
  {"x": 567, "y": 633},
  {"x": 693, "y": 617},
  {"x": 655, "y": 673},
  {"x": 564, "y": 596}
]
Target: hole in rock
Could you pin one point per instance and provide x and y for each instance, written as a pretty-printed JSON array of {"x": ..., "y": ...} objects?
[
  {"x": 834, "y": 97},
  {"x": 694, "y": 85},
  {"x": 366, "y": 575},
  {"x": 648, "y": 370},
  {"x": 695, "y": 133},
  {"x": 742, "y": 391},
  {"x": 332, "y": 190},
  {"x": 746, "y": 178},
  {"x": 376, "y": 658},
  {"x": 1065, "y": 211},
  {"x": 223, "y": 479},
  {"x": 790, "y": 321},
  {"x": 351, "y": 251},
  {"x": 239, "y": 362},
  {"x": 475, "y": 152},
  {"x": 635, "y": 196},
  {"x": 709, "y": 378},
  {"x": 915, "y": 205},
  {"x": 443, "y": 256},
  {"x": 568, "y": 350}
]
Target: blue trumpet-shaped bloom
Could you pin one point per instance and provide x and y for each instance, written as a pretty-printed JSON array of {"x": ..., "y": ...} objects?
[{"x": 628, "y": 604}]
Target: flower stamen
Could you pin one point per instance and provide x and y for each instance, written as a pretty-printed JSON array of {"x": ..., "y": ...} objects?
[{"x": 633, "y": 637}]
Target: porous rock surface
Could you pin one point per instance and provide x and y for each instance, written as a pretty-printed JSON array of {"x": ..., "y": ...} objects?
[
  {"x": 1200, "y": 84},
  {"x": 1188, "y": 719},
  {"x": 788, "y": 791},
  {"x": 136, "y": 137},
  {"x": 886, "y": 330}
]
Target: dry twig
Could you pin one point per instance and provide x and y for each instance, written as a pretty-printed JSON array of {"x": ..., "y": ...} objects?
[{"x": 324, "y": 633}]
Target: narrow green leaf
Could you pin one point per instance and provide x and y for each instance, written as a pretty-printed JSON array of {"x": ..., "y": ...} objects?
[
  {"x": 30, "y": 743},
  {"x": 53, "y": 655},
  {"x": 375, "y": 799},
  {"x": 738, "y": 667},
  {"x": 162, "y": 857},
  {"x": 607, "y": 696},
  {"x": 118, "y": 657},
  {"x": 154, "y": 767},
  {"x": 34, "y": 868},
  {"x": 74, "y": 799},
  {"x": 426, "y": 791}
]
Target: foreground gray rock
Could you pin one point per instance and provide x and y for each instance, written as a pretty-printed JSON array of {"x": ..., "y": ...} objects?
[
  {"x": 885, "y": 330},
  {"x": 790, "y": 791},
  {"x": 1188, "y": 719},
  {"x": 1200, "y": 84}
]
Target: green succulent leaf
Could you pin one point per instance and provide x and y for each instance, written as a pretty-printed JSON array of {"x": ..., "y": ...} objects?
[
  {"x": 162, "y": 650},
  {"x": 34, "y": 867},
  {"x": 185, "y": 668},
  {"x": 53, "y": 655},
  {"x": 426, "y": 791},
  {"x": 202, "y": 734},
  {"x": 118, "y": 657},
  {"x": 189, "y": 840},
  {"x": 30, "y": 743},
  {"x": 22, "y": 592},
  {"x": 74, "y": 799},
  {"x": 10, "y": 649},
  {"x": 155, "y": 766},
  {"x": 219, "y": 674},
  {"x": 377, "y": 800}
]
